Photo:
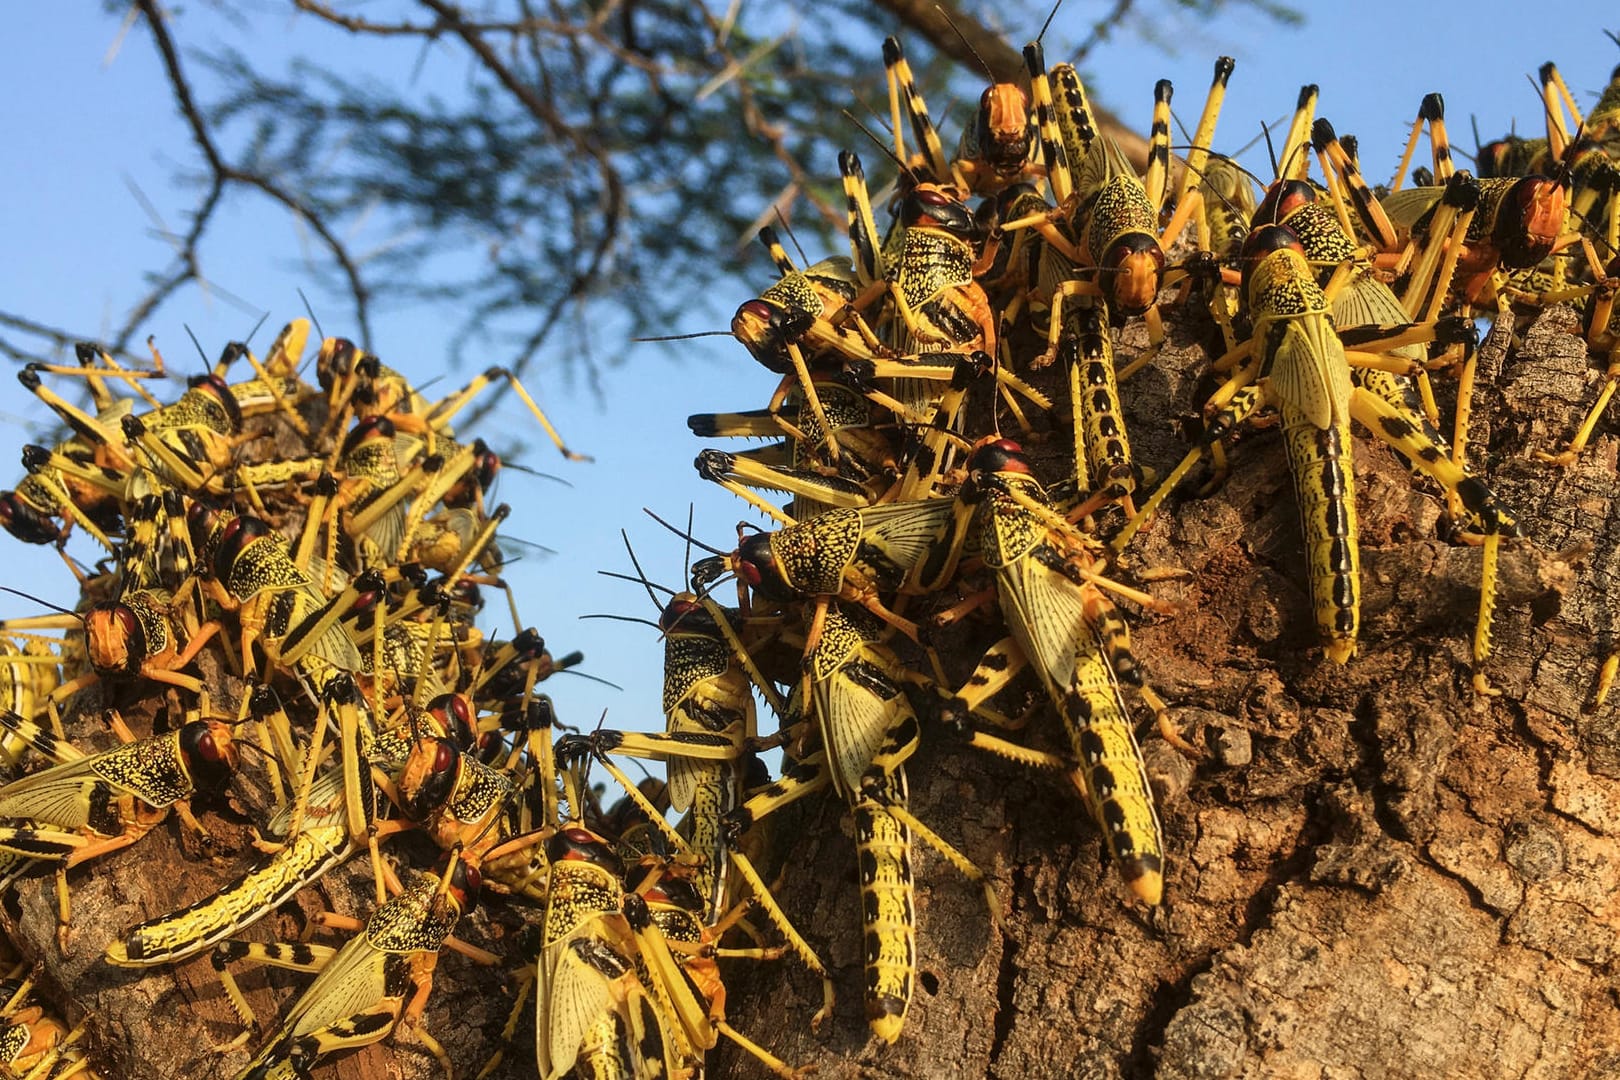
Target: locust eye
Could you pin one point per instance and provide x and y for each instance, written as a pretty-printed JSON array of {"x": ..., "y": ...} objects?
[
  {"x": 1268, "y": 238},
  {"x": 488, "y": 464},
  {"x": 465, "y": 881},
  {"x": 456, "y": 716},
  {"x": 999, "y": 455},
  {"x": 759, "y": 309},
  {"x": 677, "y": 891},
  {"x": 242, "y": 531},
  {"x": 209, "y": 752},
  {"x": 23, "y": 521},
  {"x": 754, "y": 559},
  {"x": 1136, "y": 245},
  {"x": 681, "y": 612},
  {"x": 469, "y": 882},
  {"x": 342, "y": 355},
  {"x": 370, "y": 427},
  {"x": 581, "y": 845},
  {"x": 1283, "y": 199},
  {"x": 429, "y": 784}
]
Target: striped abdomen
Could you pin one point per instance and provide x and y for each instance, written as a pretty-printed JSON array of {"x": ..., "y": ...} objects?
[
  {"x": 1324, "y": 485},
  {"x": 883, "y": 846},
  {"x": 1111, "y": 775}
]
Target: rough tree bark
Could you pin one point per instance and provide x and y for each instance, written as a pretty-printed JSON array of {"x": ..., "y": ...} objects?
[{"x": 1373, "y": 872}]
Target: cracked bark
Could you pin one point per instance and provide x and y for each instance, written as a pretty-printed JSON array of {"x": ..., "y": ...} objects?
[{"x": 1372, "y": 872}]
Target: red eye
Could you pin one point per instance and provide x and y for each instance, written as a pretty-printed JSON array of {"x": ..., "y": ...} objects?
[
  {"x": 749, "y": 573},
  {"x": 444, "y": 758},
  {"x": 677, "y": 612},
  {"x": 759, "y": 309},
  {"x": 1268, "y": 238},
  {"x": 472, "y": 884},
  {"x": 209, "y": 752},
  {"x": 999, "y": 455}
]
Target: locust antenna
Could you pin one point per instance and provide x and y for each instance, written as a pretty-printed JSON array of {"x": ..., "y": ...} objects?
[
  {"x": 37, "y": 600},
  {"x": 592, "y": 678},
  {"x": 309, "y": 309},
  {"x": 991, "y": 75},
  {"x": 781, "y": 217},
  {"x": 686, "y": 556},
  {"x": 683, "y": 337},
  {"x": 257, "y": 326},
  {"x": 1204, "y": 176},
  {"x": 890, "y": 154},
  {"x": 677, "y": 532},
  {"x": 624, "y": 618},
  {"x": 200, "y": 351},
  {"x": 534, "y": 472},
  {"x": 641, "y": 574},
  {"x": 1050, "y": 15}
]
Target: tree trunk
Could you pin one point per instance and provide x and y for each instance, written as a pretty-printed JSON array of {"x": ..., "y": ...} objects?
[{"x": 1372, "y": 871}]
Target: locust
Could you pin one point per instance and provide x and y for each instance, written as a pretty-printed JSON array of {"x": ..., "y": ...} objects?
[
  {"x": 854, "y": 717},
  {"x": 363, "y": 991},
  {"x": 592, "y": 1009},
  {"x": 358, "y": 384},
  {"x": 86, "y": 806},
  {"x": 1296, "y": 361},
  {"x": 1064, "y": 627},
  {"x": 679, "y": 950},
  {"x": 857, "y": 555}
]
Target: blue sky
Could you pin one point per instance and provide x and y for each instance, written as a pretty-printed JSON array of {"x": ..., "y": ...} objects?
[{"x": 85, "y": 131}]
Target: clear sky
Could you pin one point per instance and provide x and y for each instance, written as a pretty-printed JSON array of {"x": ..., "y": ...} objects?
[{"x": 84, "y": 131}]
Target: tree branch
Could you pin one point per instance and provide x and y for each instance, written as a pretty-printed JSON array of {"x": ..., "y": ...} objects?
[{"x": 221, "y": 175}]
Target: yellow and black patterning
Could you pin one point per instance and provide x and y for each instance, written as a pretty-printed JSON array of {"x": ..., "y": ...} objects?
[
  {"x": 1308, "y": 377},
  {"x": 1067, "y": 629},
  {"x": 85, "y": 806},
  {"x": 364, "y": 989},
  {"x": 888, "y": 915},
  {"x": 592, "y": 1010}
]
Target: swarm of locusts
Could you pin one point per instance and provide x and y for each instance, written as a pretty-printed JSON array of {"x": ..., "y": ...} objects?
[{"x": 292, "y": 571}]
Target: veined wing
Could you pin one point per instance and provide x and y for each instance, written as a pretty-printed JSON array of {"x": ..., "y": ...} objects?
[
  {"x": 1046, "y": 612},
  {"x": 1309, "y": 370}
]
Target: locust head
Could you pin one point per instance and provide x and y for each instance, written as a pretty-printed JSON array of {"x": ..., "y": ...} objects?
[
  {"x": 1003, "y": 128},
  {"x": 210, "y": 754},
  {"x": 114, "y": 638},
  {"x": 1531, "y": 219},
  {"x": 1132, "y": 268}
]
